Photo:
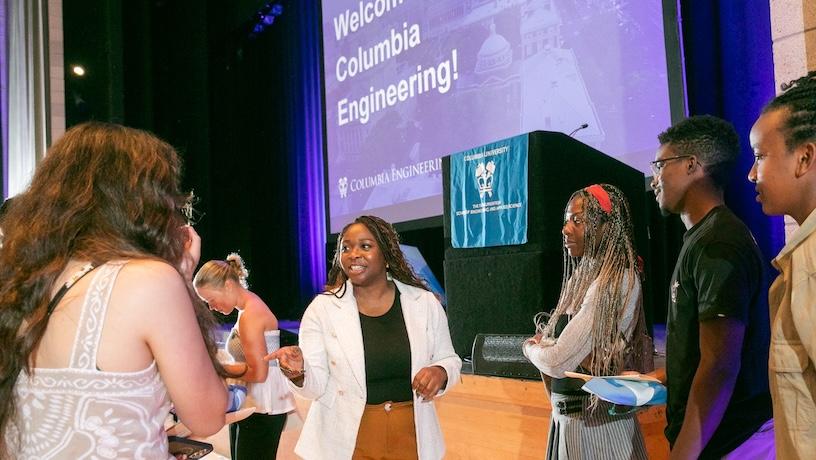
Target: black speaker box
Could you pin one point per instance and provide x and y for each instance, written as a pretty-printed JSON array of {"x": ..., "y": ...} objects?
[
  {"x": 499, "y": 294},
  {"x": 501, "y": 355}
]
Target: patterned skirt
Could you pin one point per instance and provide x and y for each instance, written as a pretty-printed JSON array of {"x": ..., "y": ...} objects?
[{"x": 582, "y": 433}]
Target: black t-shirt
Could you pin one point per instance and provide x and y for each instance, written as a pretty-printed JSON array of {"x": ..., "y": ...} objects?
[
  {"x": 719, "y": 273},
  {"x": 387, "y": 356}
]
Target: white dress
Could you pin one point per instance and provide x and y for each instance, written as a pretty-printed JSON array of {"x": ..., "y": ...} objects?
[
  {"x": 273, "y": 395},
  {"x": 80, "y": 412}
]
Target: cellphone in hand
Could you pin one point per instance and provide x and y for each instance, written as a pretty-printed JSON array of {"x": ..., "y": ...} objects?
[{"x": 185, "y": 446}]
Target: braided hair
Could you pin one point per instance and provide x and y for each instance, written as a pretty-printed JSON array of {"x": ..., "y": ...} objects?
[
  {"x": 799, "y": 98},
  {"x": 609, "y": 261},
  {"x": 388, "y": 241}
]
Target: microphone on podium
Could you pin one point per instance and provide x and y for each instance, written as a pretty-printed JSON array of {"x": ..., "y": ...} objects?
[{"x": 583, "y": 126}]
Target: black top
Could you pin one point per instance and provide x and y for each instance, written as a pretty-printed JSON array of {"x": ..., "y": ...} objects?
[
  {"x": 567, "y": 385},
  {"x": 387, "y": 355},
  {"x": 719, "y": 273}
]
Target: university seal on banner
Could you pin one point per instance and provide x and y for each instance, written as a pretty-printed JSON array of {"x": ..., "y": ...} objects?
[{"x": 484, "y": 178}]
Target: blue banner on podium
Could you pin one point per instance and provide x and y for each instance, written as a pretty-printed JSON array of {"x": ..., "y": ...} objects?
[{"x": 489, "y": 194}]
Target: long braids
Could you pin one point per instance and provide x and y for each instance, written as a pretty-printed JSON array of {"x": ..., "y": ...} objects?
[
  {"x": 388, "y": 241},
  {"x": 611, "y": 262},
  {"x": 799, "y": 98}
]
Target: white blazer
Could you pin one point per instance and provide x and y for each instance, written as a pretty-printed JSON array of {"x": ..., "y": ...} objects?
[{"x": 332, "y": 342}]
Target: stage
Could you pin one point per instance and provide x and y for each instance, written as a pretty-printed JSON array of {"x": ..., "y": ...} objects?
[
  {"x": 485, "y": 417},
  {"x": 493, "y": 418}
]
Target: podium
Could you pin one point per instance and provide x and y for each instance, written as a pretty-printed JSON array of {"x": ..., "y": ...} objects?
[{"x": 498, "y": 290}]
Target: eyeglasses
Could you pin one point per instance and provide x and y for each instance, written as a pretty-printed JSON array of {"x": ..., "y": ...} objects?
[{"x": 658, "y": 165}]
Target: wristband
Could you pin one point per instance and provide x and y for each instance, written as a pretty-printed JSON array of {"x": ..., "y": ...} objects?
[{"x": 291, "y": 373}]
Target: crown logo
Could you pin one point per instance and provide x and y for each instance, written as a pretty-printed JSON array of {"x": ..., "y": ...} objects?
[
  {"x": 342, "y": 186},
  {"x": 484, "y": 178}
]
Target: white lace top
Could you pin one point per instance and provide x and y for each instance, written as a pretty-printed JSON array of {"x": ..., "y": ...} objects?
[
  {"x": 556, "y": 356},
  {"x": 81, "y": 412}
]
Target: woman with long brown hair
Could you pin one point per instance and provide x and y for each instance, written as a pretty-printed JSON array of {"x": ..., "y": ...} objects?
[
  {"x": 374, "y": 352},
  {"x": 90, "y": 364}
]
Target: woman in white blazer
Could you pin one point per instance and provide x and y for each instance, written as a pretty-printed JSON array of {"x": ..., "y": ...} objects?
[{"x": 374, "y": 352}]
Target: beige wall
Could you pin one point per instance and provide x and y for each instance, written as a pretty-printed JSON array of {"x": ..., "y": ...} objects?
[
  {"x": 793, "y": 31},
  {"x": 56, "y": 77}
]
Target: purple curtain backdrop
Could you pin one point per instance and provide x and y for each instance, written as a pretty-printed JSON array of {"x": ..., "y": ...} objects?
[
  {"x": 730, "y": 74},
  {"x": 306, "y": 149}
]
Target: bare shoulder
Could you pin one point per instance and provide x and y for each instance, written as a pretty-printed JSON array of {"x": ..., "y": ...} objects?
[
  {"x": 152, "y": 284},
  {"x": 149, "y": 299},
  {"x": 257, "y": 314},
  {"x": 150, "y": 270},
  {"x": 255, "y": 304}
]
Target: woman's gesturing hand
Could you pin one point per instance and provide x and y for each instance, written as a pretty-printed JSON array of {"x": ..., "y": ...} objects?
[
  {"x": 290, "y": 360},
  {"x": 429, "y": 380}
]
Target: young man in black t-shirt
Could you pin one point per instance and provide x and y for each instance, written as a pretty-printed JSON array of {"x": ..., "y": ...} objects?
[{"x": 717, "y": 328}]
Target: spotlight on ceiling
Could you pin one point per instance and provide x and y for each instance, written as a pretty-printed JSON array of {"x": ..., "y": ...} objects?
[{"x": 264, "y": 18}]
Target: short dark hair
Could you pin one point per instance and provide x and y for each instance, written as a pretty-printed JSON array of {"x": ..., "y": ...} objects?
[
  {"x": 799, "y": 98},
  {"x": 712, "y": 140}
]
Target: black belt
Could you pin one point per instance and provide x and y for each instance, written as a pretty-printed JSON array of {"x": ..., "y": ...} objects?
[
  {"x": 568, "y": 386},
  {"x": 569, "y": 406}
]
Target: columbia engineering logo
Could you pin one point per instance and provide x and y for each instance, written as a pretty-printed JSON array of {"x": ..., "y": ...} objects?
[
  {"x": 342, "y": 186},
  {"x": 484, "y": 178}
]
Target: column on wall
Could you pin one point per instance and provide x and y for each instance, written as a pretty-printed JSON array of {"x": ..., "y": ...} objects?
[
  {"x": 793, "y": 31},
  {"x": 30, "y": 100}
]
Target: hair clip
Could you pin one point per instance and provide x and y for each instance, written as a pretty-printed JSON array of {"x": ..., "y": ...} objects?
[{"x": 191, "y": 215}]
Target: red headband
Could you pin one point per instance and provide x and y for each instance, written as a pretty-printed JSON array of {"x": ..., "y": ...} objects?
[{"x": 603, "y": 198}]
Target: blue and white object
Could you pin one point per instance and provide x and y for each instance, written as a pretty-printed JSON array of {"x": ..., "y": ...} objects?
[
  {"x": 627, "y": 390},
  {"x": 423, "y": 271},
  {"x": 236, "y": 395}
]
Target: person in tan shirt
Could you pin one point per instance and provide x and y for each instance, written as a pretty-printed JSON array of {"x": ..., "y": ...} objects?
[{"x": 784, "y": 143}]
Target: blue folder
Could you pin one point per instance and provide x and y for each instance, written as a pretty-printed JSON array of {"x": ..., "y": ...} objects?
[{"x": 624, "y": 390}]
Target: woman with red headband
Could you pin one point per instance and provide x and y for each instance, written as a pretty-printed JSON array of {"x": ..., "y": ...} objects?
[{"x": 597, "y": 328}]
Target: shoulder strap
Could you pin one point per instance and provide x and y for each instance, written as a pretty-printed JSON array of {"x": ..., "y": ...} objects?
[
  {"x": 92, "y": 317},
  {"x": 71, "y": 281}
]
